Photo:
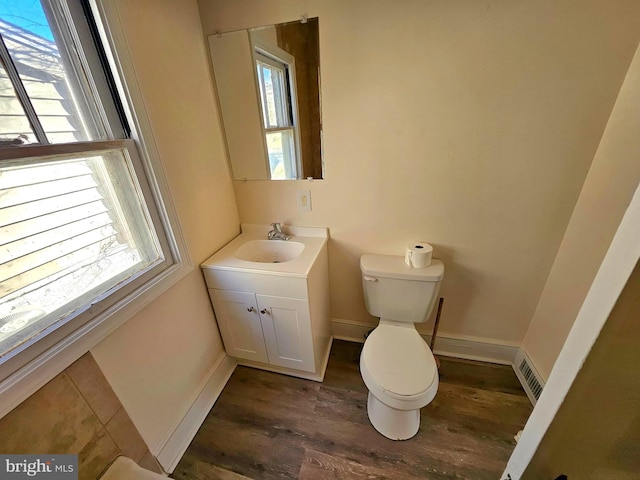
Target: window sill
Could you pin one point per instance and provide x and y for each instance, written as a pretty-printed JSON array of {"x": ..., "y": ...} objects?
[{"x": 27, "y": 380}]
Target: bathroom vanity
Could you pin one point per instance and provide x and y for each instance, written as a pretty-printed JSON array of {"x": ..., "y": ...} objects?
[{"x": 271, "y": 299}]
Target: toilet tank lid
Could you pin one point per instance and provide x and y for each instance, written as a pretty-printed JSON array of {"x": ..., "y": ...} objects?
[{"x": 392, "y": 266}]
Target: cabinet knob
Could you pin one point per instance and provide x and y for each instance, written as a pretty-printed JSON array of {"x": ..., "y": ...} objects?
[
  {"x": 250, "y": 309},
  {"x": 264, "y": 311}
]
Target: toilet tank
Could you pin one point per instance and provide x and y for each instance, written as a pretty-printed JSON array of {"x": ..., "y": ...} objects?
[{"x": 395, "y": 291}]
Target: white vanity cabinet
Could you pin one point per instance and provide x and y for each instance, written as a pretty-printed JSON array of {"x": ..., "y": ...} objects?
[
  {"x": 274, "y": 316},
  {"x": 273, "y": 330},
  {"x": 239, "y": 323}
]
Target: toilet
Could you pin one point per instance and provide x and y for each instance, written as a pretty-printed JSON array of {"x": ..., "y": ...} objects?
[{"x": 396, "y": 364}]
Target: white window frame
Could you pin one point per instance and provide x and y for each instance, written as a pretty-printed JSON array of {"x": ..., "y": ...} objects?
[
  {"x": 62, "y": 352},
  {"x": 261, "y": 48}
]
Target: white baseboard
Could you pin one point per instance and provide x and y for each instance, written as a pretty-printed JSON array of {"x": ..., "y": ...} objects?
[
  {"x": 171, "y": 451},
  {"x": 448, "y": 345},
  {"x": 350, "y": 330},
  {"x": 474, "y": 348}
]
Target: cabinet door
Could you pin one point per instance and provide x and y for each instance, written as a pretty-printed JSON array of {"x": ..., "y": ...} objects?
[
  {"x": 286, "y": 325},
  {"x": 239, "y": 323}
]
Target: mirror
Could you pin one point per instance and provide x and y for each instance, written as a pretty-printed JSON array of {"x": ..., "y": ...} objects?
[{"x": 268, "y": 83}]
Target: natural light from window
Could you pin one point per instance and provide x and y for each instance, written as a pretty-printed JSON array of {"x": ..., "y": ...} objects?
[{"x": 74, "y": 220}]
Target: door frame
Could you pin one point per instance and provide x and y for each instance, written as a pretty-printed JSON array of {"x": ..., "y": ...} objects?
[{"x": 612, "y": 276}]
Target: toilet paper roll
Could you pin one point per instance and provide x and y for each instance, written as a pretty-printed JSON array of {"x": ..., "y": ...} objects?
[{"x": 418, "y": 254}]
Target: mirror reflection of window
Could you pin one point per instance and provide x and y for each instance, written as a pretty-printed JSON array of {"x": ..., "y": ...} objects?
[
  {"x": 277, "y": 99},
  {"x": 268, "y": 84},
  {"x": 272, "y": 79}
]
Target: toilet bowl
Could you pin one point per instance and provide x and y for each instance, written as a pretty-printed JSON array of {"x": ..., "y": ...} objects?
[
  {"x": 400, "y": 372},
  {"x": 396, "y": 364}
]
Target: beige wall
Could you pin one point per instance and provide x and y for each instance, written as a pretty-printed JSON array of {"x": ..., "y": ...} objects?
[
  {"x": 595, "y": 433},
  {"x": 470, "y": 125},
  {"x": 607, "y": 191},
  {"x": 157, "y": 361}
]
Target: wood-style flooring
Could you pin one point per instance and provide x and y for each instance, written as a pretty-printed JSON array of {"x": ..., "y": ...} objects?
[{"x": 271, "y": 426}]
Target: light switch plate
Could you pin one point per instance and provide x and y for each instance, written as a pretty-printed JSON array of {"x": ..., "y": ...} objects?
[{"x": 303, "y": 200}]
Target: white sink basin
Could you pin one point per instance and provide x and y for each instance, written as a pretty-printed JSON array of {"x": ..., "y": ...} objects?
[
  {"x": 251, "y": 252},
  {"x": 269, "y": 251}
]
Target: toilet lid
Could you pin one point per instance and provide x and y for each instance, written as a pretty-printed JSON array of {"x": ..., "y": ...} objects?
[{"x": 399, "y": 360}]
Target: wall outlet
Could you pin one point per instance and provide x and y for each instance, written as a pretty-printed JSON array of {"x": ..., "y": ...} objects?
[{"x": 303, "y": 200}]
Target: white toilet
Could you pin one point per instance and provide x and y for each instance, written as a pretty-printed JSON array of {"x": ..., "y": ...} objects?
[{"x": 396, "y": 364}]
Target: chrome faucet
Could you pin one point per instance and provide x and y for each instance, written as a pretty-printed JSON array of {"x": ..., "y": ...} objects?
[{"x": 277, "y": 233}]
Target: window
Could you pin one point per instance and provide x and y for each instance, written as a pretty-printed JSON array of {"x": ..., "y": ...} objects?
[
  {"x": 276, "y": 85},
  {"x": 80, "y": 227}
]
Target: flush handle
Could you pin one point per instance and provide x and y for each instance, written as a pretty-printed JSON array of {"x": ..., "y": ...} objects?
[{"x": 369, "y": 279}]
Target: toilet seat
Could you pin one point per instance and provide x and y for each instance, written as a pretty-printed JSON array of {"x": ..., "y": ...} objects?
[{"x": 398, "y": 367}]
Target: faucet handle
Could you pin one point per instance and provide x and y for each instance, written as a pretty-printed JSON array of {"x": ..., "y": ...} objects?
[{"x": 277, "y": 227}]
